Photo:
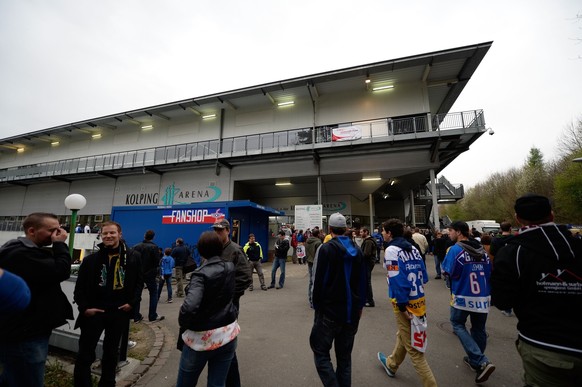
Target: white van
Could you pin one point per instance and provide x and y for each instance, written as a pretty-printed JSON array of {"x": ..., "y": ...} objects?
[{"x": 484, "y": 226}]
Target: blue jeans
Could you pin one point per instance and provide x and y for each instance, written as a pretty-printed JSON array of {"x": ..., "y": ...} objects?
[
  {"x": 437, "y": 265},
  {"x": 167, "y": 280},
  {"x": 474, "y": 343},
  {"x": 193, "y": 362},
  {"x": 152, "y": 285},
  {"x": 23, "y": 362},
  {"x": 324, "y": 334},
  {"x": 309, "y": 294},
  {"x": 278, "y": 262}
]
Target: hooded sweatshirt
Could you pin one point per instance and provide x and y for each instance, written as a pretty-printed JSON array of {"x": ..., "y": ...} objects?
[
  {"x": 539, "y": 274},
  {"x": 469, "y": 267},
  {"x": 311, "y": 248},
  {"x": 339, "y": 280},
  {"x": 406, "y": 277}
]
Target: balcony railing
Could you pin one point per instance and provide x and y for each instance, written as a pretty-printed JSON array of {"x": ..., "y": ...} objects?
[{"x": 296, "y": 139}]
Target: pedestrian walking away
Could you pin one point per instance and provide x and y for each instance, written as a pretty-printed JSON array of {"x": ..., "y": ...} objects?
[
  {"x": 539, "y": 274},
  {"x": 180, "y": 254},
  {"x": 468, "y": 267},
  {"x": 369, "y": 251},
  {"x": 166, "y": 267},
  {"x": 311, "y": 246},
  {"x": 149, "y": 254},
  {"x": 339, "y": 293},
  {"x": 406, "y": 276}
]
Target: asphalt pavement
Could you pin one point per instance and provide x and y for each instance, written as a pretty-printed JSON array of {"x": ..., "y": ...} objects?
[{"x": 273, "y": 346}]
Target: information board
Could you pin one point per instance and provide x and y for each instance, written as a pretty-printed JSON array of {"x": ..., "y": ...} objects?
[{"x": 308, "y": 216}]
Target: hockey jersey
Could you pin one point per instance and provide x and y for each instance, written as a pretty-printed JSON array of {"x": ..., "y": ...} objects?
[{"x": 469, "y": 268}]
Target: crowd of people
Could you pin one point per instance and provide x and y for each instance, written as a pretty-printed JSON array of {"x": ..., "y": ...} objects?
[{"x": 535, "y": 273}]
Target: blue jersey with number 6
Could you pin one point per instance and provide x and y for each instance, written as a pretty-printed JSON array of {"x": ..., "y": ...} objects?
[{"x": 469, "y": 268}]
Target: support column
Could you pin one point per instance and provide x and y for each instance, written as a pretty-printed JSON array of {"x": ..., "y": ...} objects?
[
  {"x": 435, "y": 204},
  {"x": 371, "y": 200},
  {"x": 412, "y": 212},
  {"x": 319, "y": 189}
]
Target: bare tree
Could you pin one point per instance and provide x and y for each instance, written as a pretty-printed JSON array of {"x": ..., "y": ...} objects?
[{"x": 570, "y": 140}]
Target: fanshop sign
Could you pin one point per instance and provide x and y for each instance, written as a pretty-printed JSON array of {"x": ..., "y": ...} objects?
[{"x": 193, "y": 216}]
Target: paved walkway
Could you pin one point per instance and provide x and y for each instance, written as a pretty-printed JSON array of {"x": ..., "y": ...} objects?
[{"x": 273, "y": 347}]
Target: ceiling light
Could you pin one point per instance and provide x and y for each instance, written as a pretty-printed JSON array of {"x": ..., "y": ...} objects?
[
  {"x": 371, "y": 178},
  {"x": 378, "y": 88},
  {"x": 283, "y": 182},
  {"x": 368, "y": 80},
  {"x": 208, "y": 116},
  {"x": 147, "y": 127},
  {"x": 96, "y": 135},
  {"x": 288, "y": 103},
  {"x": 19, "y": 150},
  {"x": 55, "y": 143},
  {"x": 392, "y": 182}
]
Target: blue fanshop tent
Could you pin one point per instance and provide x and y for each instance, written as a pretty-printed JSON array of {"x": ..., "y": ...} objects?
[{"x": 188, "y": 221}]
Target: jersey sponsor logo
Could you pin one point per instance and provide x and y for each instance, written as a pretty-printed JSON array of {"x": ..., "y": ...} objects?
[{"x": 472, "y": 304}]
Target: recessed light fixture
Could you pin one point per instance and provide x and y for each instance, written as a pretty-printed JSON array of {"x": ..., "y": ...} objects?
[
  {"x": 96, "y": 135},
  {"x": 378, "y": 88},
  {"x": 283, "y": 182},
  {"x": 55, "y": 143},
  {"x": 371, "y": 178},
  {"x": 19, "y": 150},
  {"x": 208, "y": 116},
  {"x": 288, "y": 103},
  {"x": 392, "y": 182},
  {"x": 147, "y": 127}
]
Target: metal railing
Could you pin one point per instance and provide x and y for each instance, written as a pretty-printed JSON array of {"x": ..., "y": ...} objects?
[{"x": 282, "y": 141}]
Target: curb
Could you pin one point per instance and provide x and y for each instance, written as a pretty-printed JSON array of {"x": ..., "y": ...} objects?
[{"x": 164, "y": 343}]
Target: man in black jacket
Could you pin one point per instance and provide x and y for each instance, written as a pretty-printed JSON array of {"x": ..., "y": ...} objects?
[
  {"x": 254, "y": 252},
  {"x": 24, "y": 335},
  {"x": 539, "y": 274},
  {"x": 281, "y": 248},
  {"x": 369, "y": 251},
  {"x": 180, "y": 253},
  {"x": 107, "y": 290},
  {"x": 150, "y": 264},
  {"x": 243, "y": 278}
]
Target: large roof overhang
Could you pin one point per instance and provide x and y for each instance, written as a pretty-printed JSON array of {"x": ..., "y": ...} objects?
[{"x": 445, "y": 72}]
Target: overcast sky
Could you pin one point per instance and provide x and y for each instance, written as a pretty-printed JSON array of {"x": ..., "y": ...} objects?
[{"x": 65, "y": 61}]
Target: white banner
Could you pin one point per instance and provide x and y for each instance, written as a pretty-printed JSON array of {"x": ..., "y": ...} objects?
[{"x": 346, "y": 133}]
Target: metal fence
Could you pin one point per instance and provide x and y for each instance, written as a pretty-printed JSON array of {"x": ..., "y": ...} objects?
[{"x": 281, "y": 141}]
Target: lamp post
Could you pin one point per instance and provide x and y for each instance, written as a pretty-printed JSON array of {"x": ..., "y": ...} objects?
[{"x": 74, "y": 202}]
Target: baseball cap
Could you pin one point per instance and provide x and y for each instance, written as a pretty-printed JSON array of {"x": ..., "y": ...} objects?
[
  {"x": 532, "y": 207},
  {"x": 337, "y": 220},
  {"x": 222, "y": 223}
]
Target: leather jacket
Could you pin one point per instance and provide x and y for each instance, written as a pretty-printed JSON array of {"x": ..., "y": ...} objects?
[{"x": 208, "y": 303}]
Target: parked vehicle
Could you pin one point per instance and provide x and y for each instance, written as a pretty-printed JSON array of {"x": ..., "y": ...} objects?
[{"x": 484, "y": 226}]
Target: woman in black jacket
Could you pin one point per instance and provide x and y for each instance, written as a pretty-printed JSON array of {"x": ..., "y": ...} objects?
[{"x": 208, "y": 317}]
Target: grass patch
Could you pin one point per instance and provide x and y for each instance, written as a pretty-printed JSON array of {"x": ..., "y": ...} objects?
[{"x": 56, "y": 376}]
